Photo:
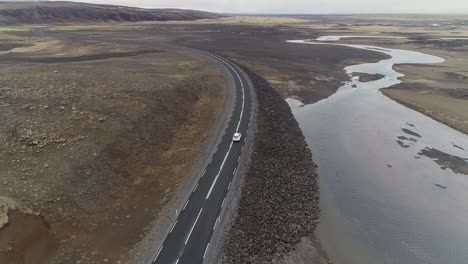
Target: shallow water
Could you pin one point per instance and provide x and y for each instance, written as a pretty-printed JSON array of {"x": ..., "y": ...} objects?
[
  {"x": 454, "y": 38},
  {"x": 382, "y": 200},
  {"x": 336, "y": 38}
]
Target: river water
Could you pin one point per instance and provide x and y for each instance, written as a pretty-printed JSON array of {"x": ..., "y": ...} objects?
[{"x": 382, "y": 200}]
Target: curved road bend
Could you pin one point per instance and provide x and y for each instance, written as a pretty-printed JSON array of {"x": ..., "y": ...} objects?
[{"x": 190, "y": 236}]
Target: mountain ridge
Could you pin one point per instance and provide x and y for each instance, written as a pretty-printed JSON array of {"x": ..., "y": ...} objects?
[{"x": 26, "y": 12}]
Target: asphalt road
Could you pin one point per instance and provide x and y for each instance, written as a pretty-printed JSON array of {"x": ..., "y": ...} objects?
[{"x": 189, "y": 238}]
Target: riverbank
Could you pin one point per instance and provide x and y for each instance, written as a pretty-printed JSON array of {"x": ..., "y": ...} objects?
[
  {"x": 438, "y": 91},
  {"x": 380, "y": 163},
  {"x": 279, "y": 202}
]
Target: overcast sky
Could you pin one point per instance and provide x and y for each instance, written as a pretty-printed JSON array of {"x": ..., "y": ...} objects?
[{"x": 304, "y": 6}]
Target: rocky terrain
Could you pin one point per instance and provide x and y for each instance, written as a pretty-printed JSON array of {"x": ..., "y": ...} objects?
[
  {"x": 92, "y": 150},
  {"x": 308, "y": 73},
  {"x": 279, "y": 203},
  {"x": 12, "y": 13},
  {"x": 365, "y": 77}
]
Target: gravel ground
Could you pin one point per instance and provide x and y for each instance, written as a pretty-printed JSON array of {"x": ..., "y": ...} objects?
[
  {"x": 96, "y": 149},
  {"x": 279, "y": 203}
]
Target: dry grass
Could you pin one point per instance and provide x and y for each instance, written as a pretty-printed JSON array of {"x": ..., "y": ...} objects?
[
  {"x": 50, "y": 47},
  {"x": 15, "y": 29},
  {"x": 254, "y": 20},
  {"x": 238, "y": 20},
  {"x": 408, "y": 17},
  {"x": 39, "y": 47},
  {"x": 100, "y": 26},
  {"x": 450, "y": 111}
]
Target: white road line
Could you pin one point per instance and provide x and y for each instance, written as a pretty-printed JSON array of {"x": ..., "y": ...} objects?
[
  {"x": 173, "y": 226},
  {"x": 238, "y": 159},
  {"x": 159, "y": 252},
  {"x": 242, "y": 85},
  {"x": 237, "y": 129},
  {"x": 216, "y": 222},
  {"x": 234, "y": 172},
  {"x": 243, "y": 100},
  {"x": 228, "y": 64},
  {"x": 219, "y": 172},
  {"x": 191, "y": 230},
  {"x": 206, "y": 249}
]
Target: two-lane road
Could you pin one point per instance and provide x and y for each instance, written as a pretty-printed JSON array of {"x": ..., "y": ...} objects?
[{"x": 189, "y": 238}]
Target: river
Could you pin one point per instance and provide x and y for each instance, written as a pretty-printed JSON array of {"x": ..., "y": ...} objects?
[{"x": 383, "y": 199}]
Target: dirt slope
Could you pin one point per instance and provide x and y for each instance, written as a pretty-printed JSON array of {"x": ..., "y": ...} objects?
[{"x": 92, "y": 150}]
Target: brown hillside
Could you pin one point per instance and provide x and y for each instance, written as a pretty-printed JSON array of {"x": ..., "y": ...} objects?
[{"x": 12, "y": 13}]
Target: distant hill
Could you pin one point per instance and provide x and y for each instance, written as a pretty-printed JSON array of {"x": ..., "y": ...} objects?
[{"x": 21, "y": 12}]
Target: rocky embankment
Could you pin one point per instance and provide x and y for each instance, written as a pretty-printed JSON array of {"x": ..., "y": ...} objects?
[{"x": 279, "y": 203}]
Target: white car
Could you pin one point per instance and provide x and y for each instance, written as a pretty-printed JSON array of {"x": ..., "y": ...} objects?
[{"x": 237, "y": 137}]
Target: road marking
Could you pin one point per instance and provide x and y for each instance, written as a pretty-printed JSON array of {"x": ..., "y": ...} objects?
[
  {"x": 191, "y": 230},
  {"x": 234, "y": 69},
  {"x": 238, "y": 159},
  {"x": 234, "y": 172},
  {"x": 206, "y": 249},
  {"x": 242, "y": 85},
  {"x": 173, "y": 226},
  {"x": 219, "y": 172},
  {"x": 214, "y": 227},
  {"x": 223, "y": 202},
  {"x": 159, "y": 252},
  {"x": 243, "y": 101}
]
